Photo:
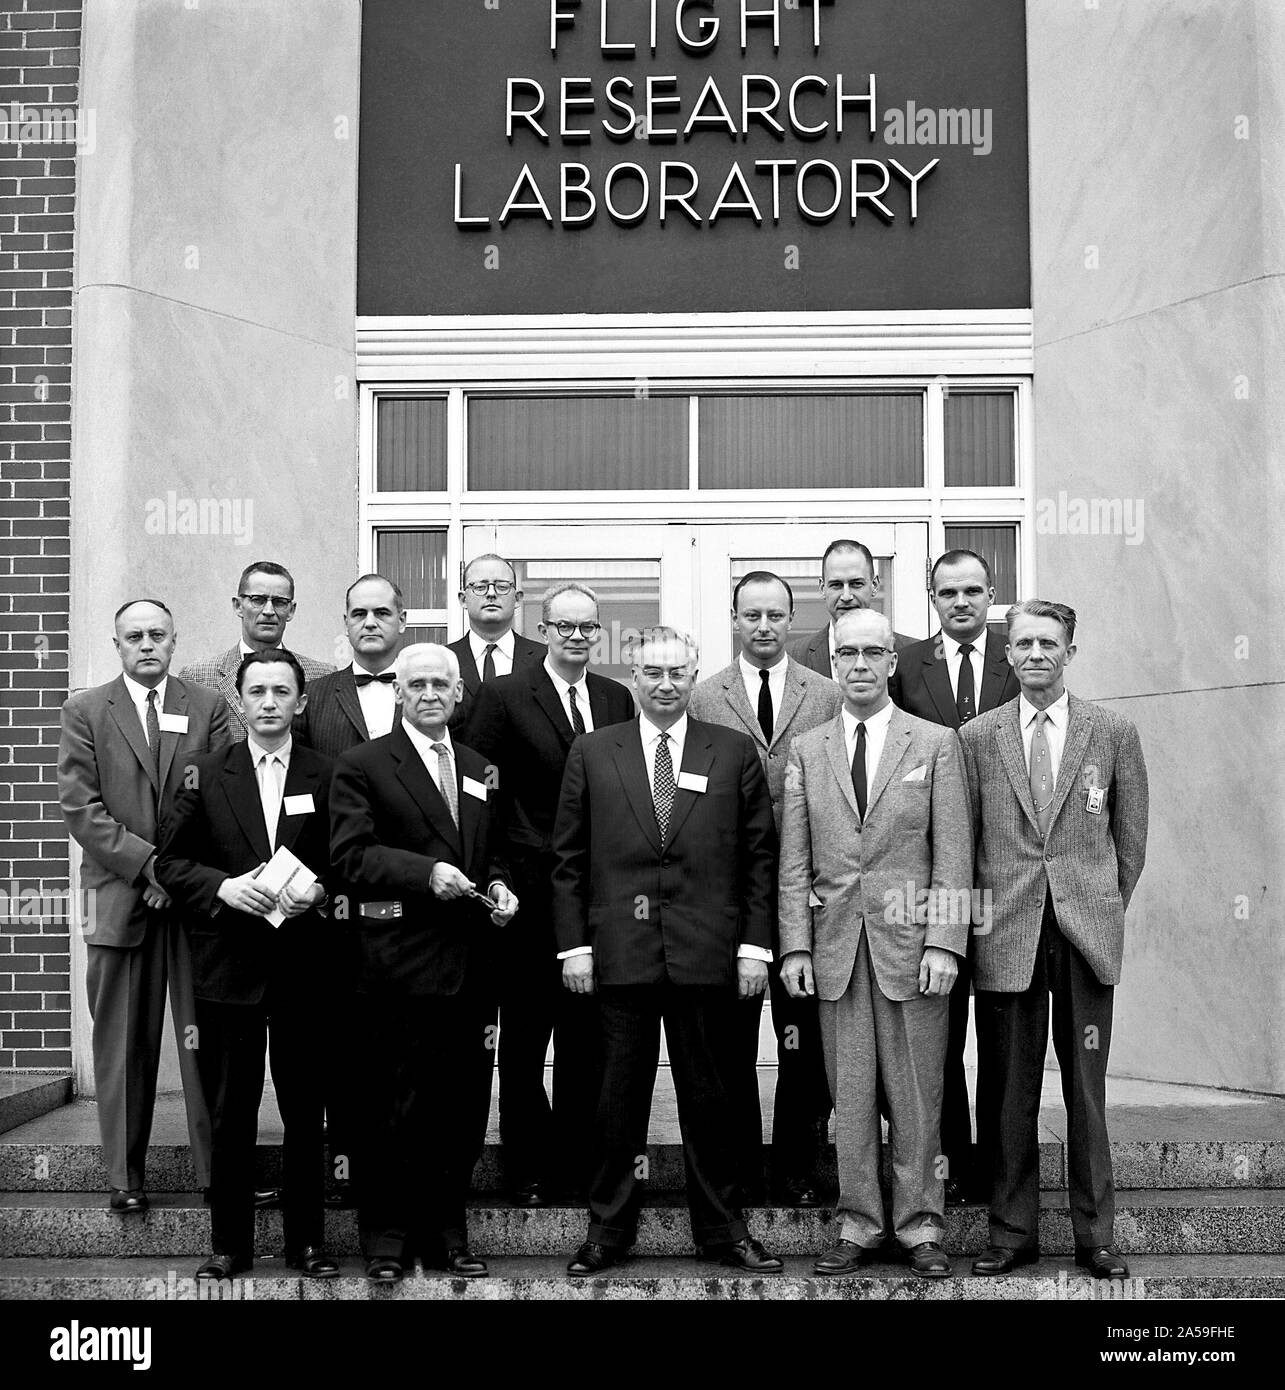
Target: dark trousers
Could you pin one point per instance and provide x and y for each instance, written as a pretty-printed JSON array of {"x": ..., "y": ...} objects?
[
  {"x": 233, "y": 1039},
  {"x": 1012, "y": 1038},
  {"x": 704, "y": 1052},
  {"x": 418, "y": 1133},
  {"x": 342, "y": 1080},
  {"x": 956, "y": 1119}
]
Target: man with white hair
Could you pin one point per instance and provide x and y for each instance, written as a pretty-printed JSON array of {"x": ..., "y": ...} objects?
[{"x": 413, "y": 832}]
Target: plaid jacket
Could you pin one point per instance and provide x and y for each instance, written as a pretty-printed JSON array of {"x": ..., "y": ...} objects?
[{"x": 219, "y": 673}]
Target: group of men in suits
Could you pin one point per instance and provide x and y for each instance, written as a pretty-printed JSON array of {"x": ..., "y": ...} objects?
[{"x": 813, "y": 826}]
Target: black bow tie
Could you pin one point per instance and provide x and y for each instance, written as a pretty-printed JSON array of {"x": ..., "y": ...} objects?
[{"x": 365, "y": 678}]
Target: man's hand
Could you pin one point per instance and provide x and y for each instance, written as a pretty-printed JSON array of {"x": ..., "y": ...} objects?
[
  {"x": 153, "y": 895},
  {"x": 506, "y": 904},
  {"x": 243, "y": 894},
  {"x": 292, "y": 904},
  {"x": 751, "y": 977},
  {"x": 796, "y": 975},
  {"x": 577, "y": 973},
  {"x": 937, "y": 971},
  {"x": 448, "y": 882}
]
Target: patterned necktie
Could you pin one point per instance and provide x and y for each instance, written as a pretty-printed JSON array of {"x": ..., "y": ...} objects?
[
  {"x": 154, "y": 738},
  {"x": 446, "y": 776},
  {"x": 663, "y": 790},
  {"x": 765, "y": 706},
  {"x": 271, "y": 784},
  {"x": 577, "y": 719},
  {"x": 965, "y": 697},
  {"x": 1041, "y": 773},
  {"x": 859, "y": 770},
  {"x": 488, "y": 662}
]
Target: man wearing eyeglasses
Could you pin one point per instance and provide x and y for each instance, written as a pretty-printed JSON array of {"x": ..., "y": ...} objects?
[
  {"x": 848, "y": 584},
  {"x": 265, "y": 603},
  {"x": 490, "y": 648},
  {"x": 524, "y": 724},
  {"x": 874, "y": 898}
]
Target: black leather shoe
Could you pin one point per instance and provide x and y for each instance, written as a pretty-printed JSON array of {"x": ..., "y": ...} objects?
[
  {"x": 593, "y": 1259},
  {"x": 799, "y": 1192},
  {"x": 267, "y": 1197},
  {"x": 463, "y": 1263},
  {"x": 223, "y": 1267},
  {"x": 341, "y": 1195},
  {"x": 747, "y": 1254},
  {"x": 845, "y": 1257},
  {"x": 928, "y": 1260},
  {"x": 129, "y": 1203},
  {"x": 313, "y": 1261},
  {"x": 1003, "y": 1259},
  {"x": 1102, "y": 1261},
  {"x": 530, "y": 1194},
  {"x": 383, "y": 1270}
]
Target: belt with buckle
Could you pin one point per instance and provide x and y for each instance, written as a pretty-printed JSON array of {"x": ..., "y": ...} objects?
[{"x": 380, "y": 912}]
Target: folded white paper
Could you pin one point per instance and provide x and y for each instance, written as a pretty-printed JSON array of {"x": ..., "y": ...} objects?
[{"x": 284, "y": 867}]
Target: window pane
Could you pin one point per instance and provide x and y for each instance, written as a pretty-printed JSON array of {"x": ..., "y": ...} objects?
[
  {"x": 979, "y": 439},
  {"x": 424, "y": 634},
  {"x": 415, "y": 560},
  {"x": 811, "y": 441},
  {"x": 802, "y": 577},
  {"x": 577, "y": 442},
  {"x": 999, "y": 545},
  {"x": 411, "y": 456}
]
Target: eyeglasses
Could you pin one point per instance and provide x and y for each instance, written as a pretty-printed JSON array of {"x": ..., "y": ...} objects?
[
  {"x": 257, "y": 601},
  {"x": 480, "y": 586},
  {"x": 586, "y": 630},
  {"x": 871, "y": 654}
]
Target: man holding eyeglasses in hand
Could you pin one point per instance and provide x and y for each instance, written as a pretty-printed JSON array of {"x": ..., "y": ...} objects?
[
  {"x": 524, "y": 725},
  {"x": 490, "y": 648},
  {"x": 265, "y": 603}
]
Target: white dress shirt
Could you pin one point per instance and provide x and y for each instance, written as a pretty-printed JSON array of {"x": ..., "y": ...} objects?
[
  {"x": 1059, "y": 712},
  {"x": 876, "y": 735},
  {"x": 378, "y": 702},
  {"x": 270, "y": 772},
  {"x": 582, "y": 697},
  {"x": 950, "y": 650},
  {"x": 139, "y": 693},
  {"x": 501, "y": 657},
  {"x": 775, "y": 683}
]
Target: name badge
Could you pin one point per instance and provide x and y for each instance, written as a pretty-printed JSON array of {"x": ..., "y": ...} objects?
[
  {"x": 692, "y": 781},
  {"x": 299, "y": 805},
  {"x": 475, "y": 788},
  {"x": 1095, "y": 801},
  {"x": 172, "y": 723}
]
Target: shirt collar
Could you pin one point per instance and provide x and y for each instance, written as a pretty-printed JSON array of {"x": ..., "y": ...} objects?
[
  {"x": 383, "y": 670},
  {"x": 244, "y": 647},
  {"x": 1058, "y": 712},
  {"x": 875, "y": 724},
  {"x": 751, "y": 672},
  {"x": 258, "y": 752},
  {"x": 951, "y": 646},
  {"x": 139, "y": 693},
  {"x": 422, "y": 742},
  {"x": 651, "y": 734},
  {"x": 478, "y": 645},
  {"x": 562, "y": 686}
]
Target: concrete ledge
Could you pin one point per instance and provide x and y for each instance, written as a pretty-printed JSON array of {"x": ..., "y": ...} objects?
[{"x": 25, "y": 1096}]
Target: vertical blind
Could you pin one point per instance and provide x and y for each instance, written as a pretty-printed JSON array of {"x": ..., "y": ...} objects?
[
  {"x": 999, "y": 545},
  {"x": 979, "y": 441},
  {"x": 411, "y": 452},
  {"x": 415, "y": 560}
]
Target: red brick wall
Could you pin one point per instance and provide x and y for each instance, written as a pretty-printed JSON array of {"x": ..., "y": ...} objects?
[{"x": 39, "y": 68}]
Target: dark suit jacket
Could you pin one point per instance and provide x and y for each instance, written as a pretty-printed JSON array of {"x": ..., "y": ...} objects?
[
  {"x": 389, "y": 826},
  {"x": 525, "y": 653},
  {"x": 921, "y": 683},
  {"x": 332, "y": 721},
  {"x": 108, "y": 797},
  {"x": 677, "y": 911},
  {"x": 814, "y": 652},
  {"x": 216, "y": 832}
]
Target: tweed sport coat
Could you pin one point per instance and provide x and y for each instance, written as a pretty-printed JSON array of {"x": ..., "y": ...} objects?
[
  {"x": 1090, "y": 861},
  {"x": 219, "y": 673}
]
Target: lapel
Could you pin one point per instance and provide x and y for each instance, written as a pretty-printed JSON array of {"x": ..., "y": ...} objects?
[
  {"x": 347, "y": 700},
  {"x": 937, "y": 684},
  {"x": 791, "y": 699},
  {"x": 469, "y": 673},
  {"x": 127, "y": 721},
  {"x": 1079, "y": 726},
  {"x": 228, "y": 664},
  {"x": 995, "y": 670},
  {"x": 698, "y": 757},
  {"x": 734, "y": 694},
  {"x": 526, "y": 652},
  {"x": 175, "y": 703},
  {"x": 241, "y": 788},
  {"x": 598, "y": 702},
  {"x": 413, "y": 775},
  {"x": 836, "y": 748},
  {"x": 546, "y": 696},
  {"x": 632, "y": 769},
  {"x": 298, "y": 783},
  {"x": 895, "y": 743},
  {"x": 819, "y": 652},
  {"x": 1008, "y": 735},
  {"x": 471, "y": 812}
]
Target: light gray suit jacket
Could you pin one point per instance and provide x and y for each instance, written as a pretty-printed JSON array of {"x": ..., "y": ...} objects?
[
  {"x": 808, "y": 700},
  {"x": 219, "y": 673},
  {"x": 1090, "y": 861},
  {"x": 839, "y": 876}
]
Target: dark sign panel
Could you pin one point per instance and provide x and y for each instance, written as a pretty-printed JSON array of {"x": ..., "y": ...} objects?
[{"x": 600, "y": 156}]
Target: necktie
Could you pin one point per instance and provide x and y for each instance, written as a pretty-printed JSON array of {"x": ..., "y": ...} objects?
[
  {"x": 577, "y": 719},
  {"x": 859, "y": 770},
  {"x": 154, "y": 737},
  {"x": 965, "y": 695},
  {"x": 446, "y": 776},
  {"x": 765, "y": 706},
  {"x": 663, "y": 790},
  {"x": 488, "y": 662},
  {"x": 1041, "y": 773},
  {"x": 364, "y": 678},
  {"x": 270, "y": 786}
]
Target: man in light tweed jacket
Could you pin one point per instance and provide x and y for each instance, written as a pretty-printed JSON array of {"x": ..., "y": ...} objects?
[{"x": 1058, "y": 790}]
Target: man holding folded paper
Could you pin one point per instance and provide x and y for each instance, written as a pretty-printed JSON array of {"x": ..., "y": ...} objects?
[{"x": 243, "y": 856}]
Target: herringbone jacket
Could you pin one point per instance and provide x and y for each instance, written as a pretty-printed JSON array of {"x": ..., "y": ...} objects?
[{"x": 219, "y": 673}]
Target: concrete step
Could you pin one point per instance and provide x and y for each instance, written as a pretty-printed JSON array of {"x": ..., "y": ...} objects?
[
  {"x": 1192, "y": 1222},
  {"x": 25, "y": 1096},
  {"x": 1205, "y": 1277}
]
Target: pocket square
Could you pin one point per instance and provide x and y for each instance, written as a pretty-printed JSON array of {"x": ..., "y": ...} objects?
[{"x": 918, "y": 774}]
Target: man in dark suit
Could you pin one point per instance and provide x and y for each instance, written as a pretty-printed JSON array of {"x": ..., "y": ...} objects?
[
  {"x": 662, "y": 900},
  {"x": 933, "y": 681},
  {"x": 490, "y": 648},
  {"x": 258, "y": 978},
  {"x": 771, "y": 697},
  {"x": 124, "y": 752},
  {"x": 345, "y": 709},
  {"x": 524, "y": 724},
  {"x": 1058, "y": 788},
  {"x": 414, "y": 834},
  {"x": 848, "y": 583},
  {"x": 264, "y": 603}
]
